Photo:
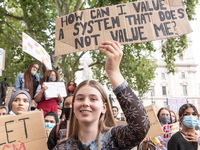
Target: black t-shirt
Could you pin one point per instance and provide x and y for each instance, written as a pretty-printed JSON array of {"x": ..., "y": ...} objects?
[
  {"x": 35, "y": 84},
  {"x": 178, "y": 142}
]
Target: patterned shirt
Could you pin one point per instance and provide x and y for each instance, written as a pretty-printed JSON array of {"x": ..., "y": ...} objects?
[{"x": 120, "y": 137}]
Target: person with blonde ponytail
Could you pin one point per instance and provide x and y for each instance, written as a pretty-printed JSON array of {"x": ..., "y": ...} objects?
[{"x": 92, "y": 125}]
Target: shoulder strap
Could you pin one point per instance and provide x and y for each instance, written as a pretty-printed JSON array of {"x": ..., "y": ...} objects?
[{"x": 57, "y": 129}]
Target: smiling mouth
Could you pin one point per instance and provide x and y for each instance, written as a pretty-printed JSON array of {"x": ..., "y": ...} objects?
[{"x": 85, "y": 111}]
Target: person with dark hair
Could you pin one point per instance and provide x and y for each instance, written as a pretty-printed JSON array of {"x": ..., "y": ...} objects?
[
  {"x": 3, "y": 110},
  {"x": 3, "y": 90},
  {"x": 50, "y": 119},
  {"x": 60, "y": 130},
  {"x": 29, "y": 80},
  {"x": 173, "y": 116},
  {"x": 164, "y": 118},
  {"x": 52, "y": 103},
  {"x": 71, "y": 86},
  {"x": 186, "y": 138},
  {"x": 115, "y": 112},
  {"x": 20, "y": 102}
]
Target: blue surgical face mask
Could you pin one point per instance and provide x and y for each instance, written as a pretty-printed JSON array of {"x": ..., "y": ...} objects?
[
  {"x": 49, "y": 125},
  {"x": 52, "y": 78},
  {"x": 190, "y": 121},
  {"x": 33, "y": 72}
]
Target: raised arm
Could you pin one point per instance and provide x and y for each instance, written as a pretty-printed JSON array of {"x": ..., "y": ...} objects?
[{"x": 128, "y": 136}]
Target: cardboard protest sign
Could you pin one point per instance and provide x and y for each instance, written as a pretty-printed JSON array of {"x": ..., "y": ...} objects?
[
  {"x": 23, "y": 132},
  {"x": 126, "y": 23},
  {"x": 176, "y": 103},
  {"x": 155, "y": 127},
  {"x": 8, "y": 95},
  {"x": 170, "y": 129},
  {"x": 36, "y": 50}
]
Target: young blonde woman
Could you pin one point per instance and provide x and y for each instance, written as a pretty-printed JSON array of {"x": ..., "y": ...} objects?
[{"x": 92, "y": 124}]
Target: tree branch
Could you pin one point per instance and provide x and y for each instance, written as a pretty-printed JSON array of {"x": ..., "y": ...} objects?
[
  {"x": 78, "y": 58},
  {"x": 59, "y": 8},
  {"x": 66, "y": 7},
  {"x": 12, "y": 16},
  {"x": 78, "y": 3},
  {"x": 13, "y": 30}
]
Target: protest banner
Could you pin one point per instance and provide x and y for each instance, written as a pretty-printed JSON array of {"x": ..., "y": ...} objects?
[
  {"x": 176, "y": 103},
  {"x": 55, "y": 88},
  {"x": 8, "y": 95},
  {"x": 23, "y": 132},
  {"x": 133, "y": 22},
  {"x": 155, "y": 127},
  {"x": 36, "y": 50},
  {"x": 169, "y": 130}
]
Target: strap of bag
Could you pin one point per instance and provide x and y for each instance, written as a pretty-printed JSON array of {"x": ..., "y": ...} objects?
[{"x": 57, "y": 129}]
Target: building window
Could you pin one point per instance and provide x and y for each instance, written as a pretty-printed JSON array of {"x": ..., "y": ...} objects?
[
  {"x": 165, "y": 104},
  {"x": 183, "y": 74},
  {"x": 153, "y": 103},
  {"x": 152, "y": 91},
  {"x": 184, "y": 89},
  {"x": 164, "y": 90},
  {"x": 163, "y": 75}
]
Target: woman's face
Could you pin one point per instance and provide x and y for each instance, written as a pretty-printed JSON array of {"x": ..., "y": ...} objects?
[
  {"x": 164, "y": 112},
  {"x": 189, "y": 111},
  {"x": 20, "y": 104},
  {"x": 53, "y": 74},
  {"x": 88, "y": 105},
  {"x": 172, "y": 115},
  {"x": 71, "y": 84},
  {"x": 35, "y": 67},
  {"x": 68, "y": 102}
]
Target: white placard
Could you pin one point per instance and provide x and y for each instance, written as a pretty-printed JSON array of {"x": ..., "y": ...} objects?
[
  {"x": 55, "y": 88},
  {"x": 176, "y": 103},
  {"x": 36, "y": 50}
]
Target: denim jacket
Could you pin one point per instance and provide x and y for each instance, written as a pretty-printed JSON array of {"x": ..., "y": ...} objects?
[{"x": 20, "y": 81}]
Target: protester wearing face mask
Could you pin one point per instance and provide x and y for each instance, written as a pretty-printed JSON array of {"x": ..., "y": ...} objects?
[
  {"x": 164, "y": 118},
  {"x": 50, "y": 119},
  {"x": 52, "y": 103},
  {"x": 29, "y": 80},
  {"x": 71, "y": 86},
  {"x": 60, "y": 130},
  {"x": 186, "y": 138},
  {"x": 173, "y": 116}
]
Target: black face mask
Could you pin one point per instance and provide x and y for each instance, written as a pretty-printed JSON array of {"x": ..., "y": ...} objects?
[{"x": 67, "y": 112}]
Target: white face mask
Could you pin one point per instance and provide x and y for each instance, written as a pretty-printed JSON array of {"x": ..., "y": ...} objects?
[{"x": 33, "y": 72}]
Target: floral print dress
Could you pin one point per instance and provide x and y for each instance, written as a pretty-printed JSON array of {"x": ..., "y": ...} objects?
[{"x": 120, "y": 137}]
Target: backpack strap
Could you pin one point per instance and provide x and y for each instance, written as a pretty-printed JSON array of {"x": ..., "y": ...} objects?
[{"x": 57, "y": 129}]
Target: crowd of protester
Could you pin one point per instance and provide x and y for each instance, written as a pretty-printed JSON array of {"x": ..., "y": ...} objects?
[{"x": 84, "y": 119}]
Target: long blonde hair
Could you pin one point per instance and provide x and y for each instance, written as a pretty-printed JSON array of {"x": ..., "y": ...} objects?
[{"x": 106, "y": 121}]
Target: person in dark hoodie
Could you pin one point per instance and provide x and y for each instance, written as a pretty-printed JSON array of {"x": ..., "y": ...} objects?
[{"x": 60, "y": 130}]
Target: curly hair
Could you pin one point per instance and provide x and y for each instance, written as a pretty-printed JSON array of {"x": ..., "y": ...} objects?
[
  {"x": 186, "y": 106},
  {"x": 48, "y": 74}
]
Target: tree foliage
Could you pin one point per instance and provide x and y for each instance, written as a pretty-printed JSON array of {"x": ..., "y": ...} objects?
[{"x": 37, "y": 19}]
